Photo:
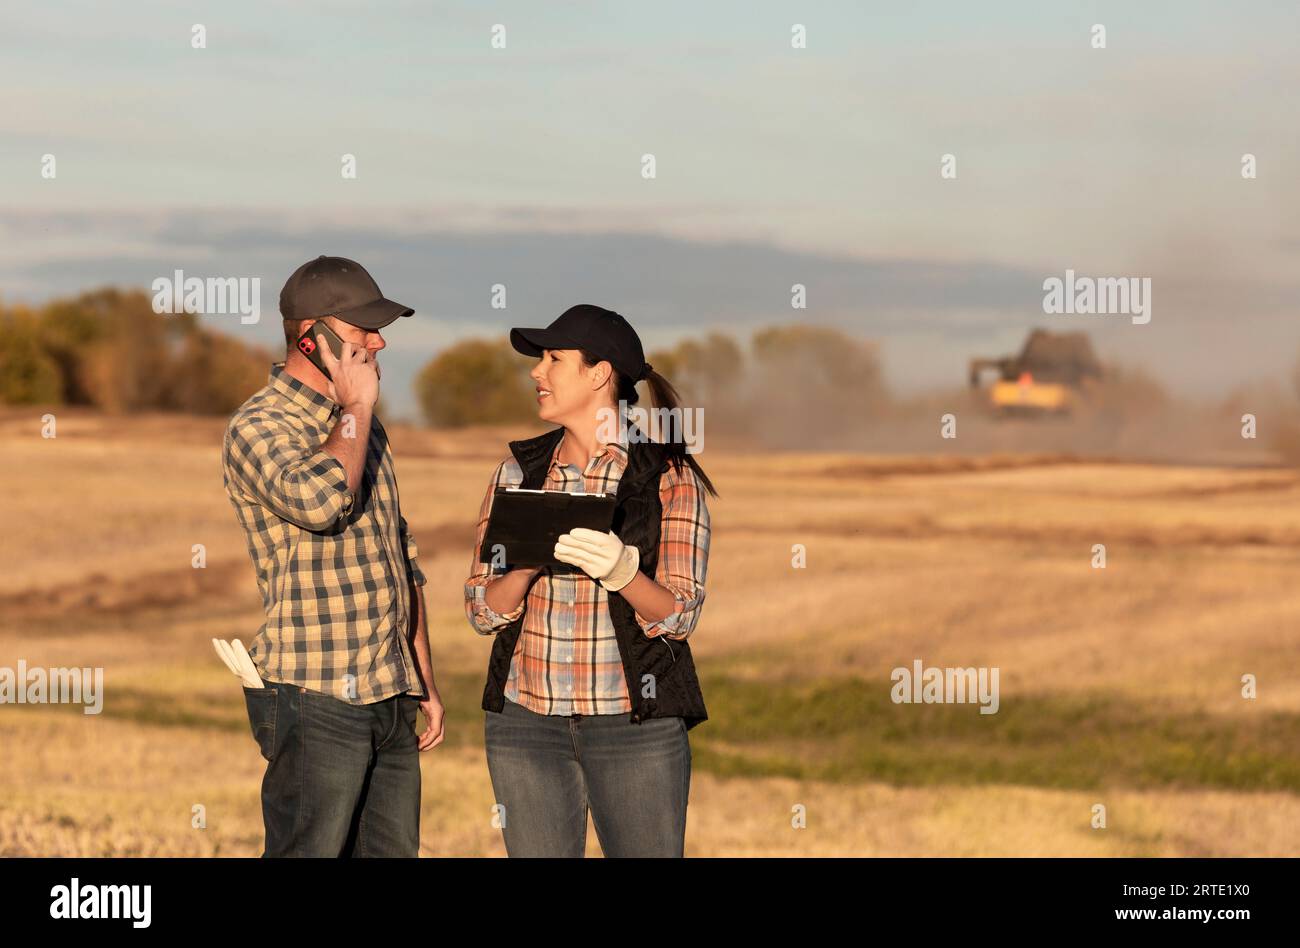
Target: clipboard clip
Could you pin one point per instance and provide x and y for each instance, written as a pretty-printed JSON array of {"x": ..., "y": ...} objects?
[{"x": 571, "y": 493}]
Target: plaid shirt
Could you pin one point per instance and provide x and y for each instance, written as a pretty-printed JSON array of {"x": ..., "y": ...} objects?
[
  {"x": 567, "y": 660},
  {"x": 333, "y": 577}
]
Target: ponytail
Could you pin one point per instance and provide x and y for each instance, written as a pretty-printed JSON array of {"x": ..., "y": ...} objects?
[{"x": 664, "y": 396}]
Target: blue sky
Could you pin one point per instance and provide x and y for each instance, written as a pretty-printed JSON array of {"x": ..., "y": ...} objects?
[{"x": 521, "y": 166}]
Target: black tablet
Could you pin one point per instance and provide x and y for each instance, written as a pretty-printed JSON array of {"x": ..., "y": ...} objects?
[{"x": 524, "y": 524}]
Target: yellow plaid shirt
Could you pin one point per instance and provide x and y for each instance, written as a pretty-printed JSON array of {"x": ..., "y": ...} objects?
[{"x": 333, "y": 569}]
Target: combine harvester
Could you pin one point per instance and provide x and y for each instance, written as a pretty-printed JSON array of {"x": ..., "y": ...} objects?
[{"x": 1049, "y": 378}]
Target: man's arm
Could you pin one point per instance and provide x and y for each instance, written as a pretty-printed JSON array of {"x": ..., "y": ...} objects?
[
  {"x": 355, "y": 386},
  {"x": 349, "y": 441},
  {"x": 431, "y": 704},
  {"x": 311, "y": 488},
  {"x": 412, "y": 554},
  {"x": 265, "y": 458}
]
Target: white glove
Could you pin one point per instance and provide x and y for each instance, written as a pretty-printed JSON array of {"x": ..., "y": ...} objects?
[
  {"x": 602, "y": 556},
  {"x": 236, "y": 658}
]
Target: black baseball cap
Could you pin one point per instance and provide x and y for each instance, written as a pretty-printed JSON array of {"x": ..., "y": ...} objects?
[
  {"x": 336, "y": 286},
  {"x": 602, "y": 332}
]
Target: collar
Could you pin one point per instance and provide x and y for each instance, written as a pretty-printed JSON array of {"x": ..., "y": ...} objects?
[
  {"x": 616, "y": 449},
  {"x": 306, "y": 399}
]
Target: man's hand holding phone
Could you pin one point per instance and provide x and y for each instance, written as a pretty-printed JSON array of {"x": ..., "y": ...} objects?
[
  {"x": 354, "y": 384},
  {"x": 354, "y": 375}
]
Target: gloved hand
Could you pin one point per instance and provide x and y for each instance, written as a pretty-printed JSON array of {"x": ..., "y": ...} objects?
[
  {"x": 236, "y": 658},
  {"x": 602, "y": 556}
]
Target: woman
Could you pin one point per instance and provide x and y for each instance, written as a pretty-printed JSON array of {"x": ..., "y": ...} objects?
[{"x": 591, "y": 687}]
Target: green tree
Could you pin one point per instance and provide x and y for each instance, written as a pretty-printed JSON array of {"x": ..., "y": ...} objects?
[
  {"x": 28, "y": 374},
  {"x": 108, "y": 349},
  {"x": 117, "y": 353},
  {"x": 218, "y": 373}
]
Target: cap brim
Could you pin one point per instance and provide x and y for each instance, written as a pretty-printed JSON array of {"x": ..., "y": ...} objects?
[
  {"x": 531, "y": 342},
  {"x": 374, "y": 315}
]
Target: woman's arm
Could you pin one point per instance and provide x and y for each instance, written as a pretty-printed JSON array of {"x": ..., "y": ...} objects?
[
  {"x": 494, "y": 601},
  {"x": 671, "y": 604},
  {"x": 504, "y": 593},
  {"x": 652, "y": 602}
]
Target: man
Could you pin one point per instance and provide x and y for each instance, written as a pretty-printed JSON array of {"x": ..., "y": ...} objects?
[{"x": 344, "y": 652}]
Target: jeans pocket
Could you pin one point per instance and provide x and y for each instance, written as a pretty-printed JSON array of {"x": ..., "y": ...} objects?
[
  {"x": 262, "y": 705},
  {"x": 410, "y": 711}
]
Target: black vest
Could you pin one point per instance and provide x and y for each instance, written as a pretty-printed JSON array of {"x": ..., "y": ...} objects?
[{"x": 672, "y": 689}]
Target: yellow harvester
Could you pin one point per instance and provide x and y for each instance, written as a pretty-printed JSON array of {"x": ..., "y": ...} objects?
[{"x": 1046, "y": 378}]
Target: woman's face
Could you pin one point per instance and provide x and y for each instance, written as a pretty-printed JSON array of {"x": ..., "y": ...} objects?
[{"x": 566, "y": 388}]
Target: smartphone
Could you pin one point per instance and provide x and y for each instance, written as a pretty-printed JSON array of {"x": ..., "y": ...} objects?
[{"x": 309, "y": 347}]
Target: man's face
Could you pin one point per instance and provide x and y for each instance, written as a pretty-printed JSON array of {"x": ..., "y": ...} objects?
[{"x": 368, "y": 339}]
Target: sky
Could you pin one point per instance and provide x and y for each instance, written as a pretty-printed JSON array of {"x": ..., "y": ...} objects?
[{"x": 522, "y": 166}]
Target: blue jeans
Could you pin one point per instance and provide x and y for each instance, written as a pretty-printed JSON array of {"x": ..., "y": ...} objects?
[
  {"x": 547, "y": 770},
  {"x": 341, "y": 779}
]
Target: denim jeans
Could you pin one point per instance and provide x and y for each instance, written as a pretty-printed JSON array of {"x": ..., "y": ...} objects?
[
  {"x": 341, "y": 779},
  {"x": 547, "y": 770}
]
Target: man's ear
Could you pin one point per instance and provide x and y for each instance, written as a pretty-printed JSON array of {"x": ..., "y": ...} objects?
[{"x": 299, "y": 328}]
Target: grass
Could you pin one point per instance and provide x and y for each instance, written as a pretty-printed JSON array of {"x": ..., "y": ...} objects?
[{"x": 848, "y": 730}]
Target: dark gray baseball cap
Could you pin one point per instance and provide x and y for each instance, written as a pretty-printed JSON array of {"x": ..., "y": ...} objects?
[
  {"x": 336, "y": 286},
  {"x": 602, "y": 332}
]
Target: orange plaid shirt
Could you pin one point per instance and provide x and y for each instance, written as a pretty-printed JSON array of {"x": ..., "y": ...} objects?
[{"x": 567, "y": 660}]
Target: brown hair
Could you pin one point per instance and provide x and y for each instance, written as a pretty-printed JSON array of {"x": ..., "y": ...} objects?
[
  {"x": 292, "y": 330},
  {"x": 664, "y": 395}
]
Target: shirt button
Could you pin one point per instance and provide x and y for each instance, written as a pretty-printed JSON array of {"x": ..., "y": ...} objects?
[{"x": 568, "y": 658}]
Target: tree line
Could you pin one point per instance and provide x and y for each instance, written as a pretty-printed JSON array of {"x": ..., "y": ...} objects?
[{"x": 108, "y": 349}]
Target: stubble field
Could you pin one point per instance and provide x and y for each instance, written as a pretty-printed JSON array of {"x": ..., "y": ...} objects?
[{"x": 1119, "y": 686}]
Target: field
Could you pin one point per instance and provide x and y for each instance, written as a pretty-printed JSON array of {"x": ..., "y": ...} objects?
[{"x": 1119, "y": 686}]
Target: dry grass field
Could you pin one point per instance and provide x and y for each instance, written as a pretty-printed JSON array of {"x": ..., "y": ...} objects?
[{"x": 1119, "y": 686}]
